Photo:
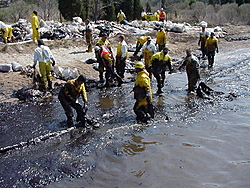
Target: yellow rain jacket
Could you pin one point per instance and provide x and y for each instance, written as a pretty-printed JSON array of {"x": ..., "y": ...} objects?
[
  {"x": 161, "y": 57},
  {"x": 106, "y": 56},
  {"x": 7, "y": 33},
  {"x": 122, "y": 50},
  {"x": 211, "y": 44},
  {"x": 35, "y": 26},
  {"x": 161, "y": 37},
  {"x": 143, "y": 82},
  {"x": 156, "y": 16},
  {"x": 100, "y": 42},
  {"x": 34, "y": 21},
  {"x": 73, "y": 90},
  {"x": 142, "y": 39}
]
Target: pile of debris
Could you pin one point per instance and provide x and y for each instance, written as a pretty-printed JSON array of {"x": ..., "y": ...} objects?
[{"x": 52, "y": 30}]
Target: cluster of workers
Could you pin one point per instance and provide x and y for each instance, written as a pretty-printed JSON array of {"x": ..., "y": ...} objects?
[
  {"x": 156, "y": 63},
  {"x": 7, "y": 30},
  {"x": 159, "y": 15}
]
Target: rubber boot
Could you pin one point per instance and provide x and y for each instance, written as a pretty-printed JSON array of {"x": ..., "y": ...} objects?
[
  {"x": 50, "y": 85},
  {"x": 70, "y": 122},
  {"x": 159, "y": 91},
  {"x": 89, "y": 48},
  {"x": 42, "y": 88},
  {"x": 101, "y": 78}
]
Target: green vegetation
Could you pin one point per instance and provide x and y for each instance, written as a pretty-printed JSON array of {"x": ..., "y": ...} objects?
[{"x": 192, "y": 11}]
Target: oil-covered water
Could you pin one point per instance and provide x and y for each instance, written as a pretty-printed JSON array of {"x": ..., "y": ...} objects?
[{"x": 192, "y": 142}]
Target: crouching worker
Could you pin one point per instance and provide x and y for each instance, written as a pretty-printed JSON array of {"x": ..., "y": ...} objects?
[
  {"x": 68, "y": 96},
  {"x": 106, "y": 60},
  {"x": 143, "y": 107}
]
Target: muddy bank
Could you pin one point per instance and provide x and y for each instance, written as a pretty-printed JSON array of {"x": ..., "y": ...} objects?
[{"x": 72, "y": 53}]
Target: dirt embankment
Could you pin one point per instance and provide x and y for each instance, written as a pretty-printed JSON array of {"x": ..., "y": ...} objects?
[{"x": 72, "y": 53}]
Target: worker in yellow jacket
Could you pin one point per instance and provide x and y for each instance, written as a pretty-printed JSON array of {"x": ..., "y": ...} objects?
[
  {"x": 148, "y": 49},
  {"x": 159, "y": 62},
  {"x": 35, "y": 26},
  {"x": 88, "y": 34},
  {"x": 202, "y": 41},
  {"x": 104, "y": 55},
  {"x": 7, "y": 32},
  {"x": 103, "y": 41},
  {"x": 211, "y": 46},
  {"x": 142, "y": 94},
  {"x": 68, "y": 96},
  {"x": 121, "y": 17},
  {"x": 162, "y": 15},
  {"x": 121, "y": 56},
  {"x": 161, "y": 38},
  {"x": 140, "y": 41}
]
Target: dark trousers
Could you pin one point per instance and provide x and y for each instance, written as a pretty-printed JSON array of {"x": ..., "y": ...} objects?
[
  {"x": 110, "y": 75},
  {"x": 67, "y": 106},
  {"x": 203, "y": 50},
  {"x": 141, "y": 112},
  {"x": 210, "y": 57},
  {"x": 120, "y": 66},
  {"x": 192, "y": 81},
  {"x": 159, "y": 74}
]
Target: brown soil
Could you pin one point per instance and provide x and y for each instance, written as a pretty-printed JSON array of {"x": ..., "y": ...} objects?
[{"x": 71, "y": 53}]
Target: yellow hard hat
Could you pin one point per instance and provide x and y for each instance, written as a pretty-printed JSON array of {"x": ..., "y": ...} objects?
[{"x": 139, "y": 65}]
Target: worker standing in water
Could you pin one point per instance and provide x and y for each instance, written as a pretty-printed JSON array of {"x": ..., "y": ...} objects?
[
  {"x": 103, "y": 41},
  {"x": 105, "y": 56},
  {"x": 202, "y": 41},
  {"x": 68, "y": 96},
  {"x": 143, "y": 107},
  {"x": 148, "y": 49},
  {"x": 159, "y": 62},
  {"x": 121, "y": 56},
  {"x": 211, "y": 46},
  {"x": 192, "y": 69}
]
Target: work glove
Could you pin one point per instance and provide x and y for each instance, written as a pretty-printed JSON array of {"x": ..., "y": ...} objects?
[{"x": 53, "y": 63}]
